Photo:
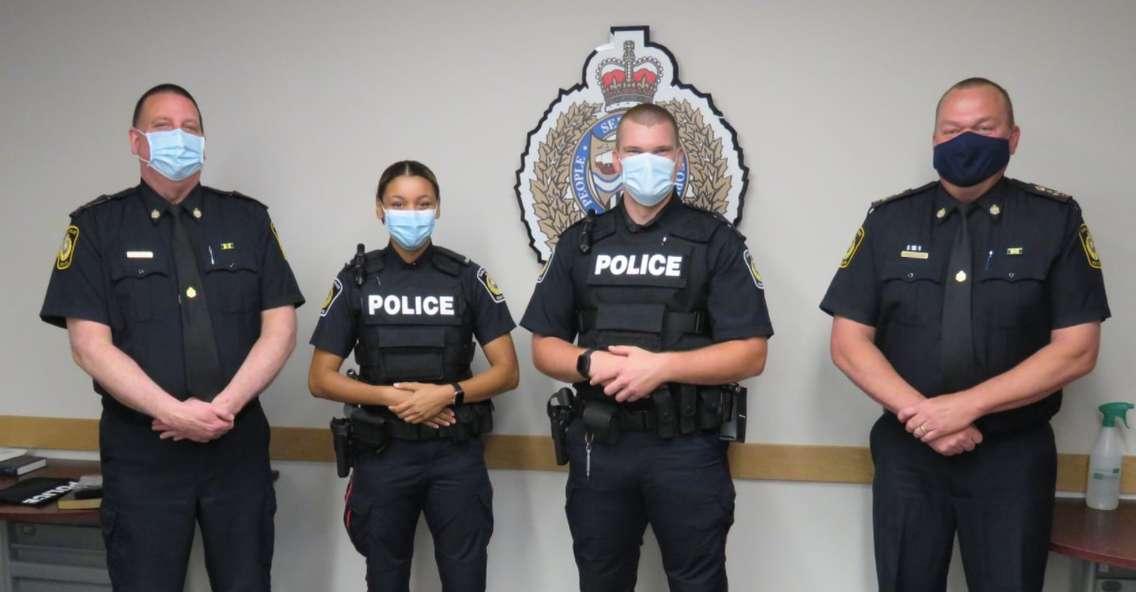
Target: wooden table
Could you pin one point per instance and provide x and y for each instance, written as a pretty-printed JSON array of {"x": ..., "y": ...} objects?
[
  {"x": 50, "y": 513},
  {"x": 1094, "y": 536}
]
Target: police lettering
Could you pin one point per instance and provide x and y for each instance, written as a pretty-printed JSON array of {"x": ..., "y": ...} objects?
[
  {"x": 431, "y": 306},
  {"x": 646, "y": 264}
]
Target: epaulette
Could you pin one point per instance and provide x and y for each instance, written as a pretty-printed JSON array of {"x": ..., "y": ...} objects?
[
  {"x": 102, "y": 199},
  {"x": 902, "y": 195},
  {"x": 718, "y": 217},
  {"x": 448, "y": 261},
  {"x": 238, "y": 195},
  {"x": 1041, "y": 190}
]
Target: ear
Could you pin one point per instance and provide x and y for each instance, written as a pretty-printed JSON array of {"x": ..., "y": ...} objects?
[
  {"x": 679, "y": 155},
  {"x": 138, "y": 143},
  {"x": 617, "y": 160},
  {"x": 379, "y": 211},
  {"x": 1015, "y": 136},
  {"x": 437, "y": 209}
]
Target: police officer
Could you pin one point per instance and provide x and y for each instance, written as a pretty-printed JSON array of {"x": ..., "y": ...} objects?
[
  {"x": 668, "y": 308},
  {"x": 963, "y": 307},
  {"x": 179, "y": 304},
  {"x": 411, "y": 312}
]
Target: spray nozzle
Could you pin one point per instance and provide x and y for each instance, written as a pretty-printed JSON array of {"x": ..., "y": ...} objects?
[{"x": 1114, "y": 411}]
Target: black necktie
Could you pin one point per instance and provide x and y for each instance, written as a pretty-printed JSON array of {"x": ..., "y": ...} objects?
[
  {"x": 957, "y": 333},
  {"x": 203, "y": 373}
]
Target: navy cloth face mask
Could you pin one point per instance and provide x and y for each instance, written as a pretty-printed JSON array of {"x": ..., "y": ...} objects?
[{"x": 969, "y": 158}]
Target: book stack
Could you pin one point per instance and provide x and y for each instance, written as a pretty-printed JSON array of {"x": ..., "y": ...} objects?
[
  {"x": 21, "y": 465},
  {"x": 87, "y": 495}
]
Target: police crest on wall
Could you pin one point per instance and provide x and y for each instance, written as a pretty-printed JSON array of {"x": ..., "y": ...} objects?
[{"x": 567, "y": 169}]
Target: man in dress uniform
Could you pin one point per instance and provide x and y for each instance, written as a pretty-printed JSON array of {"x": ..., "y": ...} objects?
[
  {"x": 178, "y": 302},
  {"x": 963, "y": 307},
  {"x": 669, "y": 310}
]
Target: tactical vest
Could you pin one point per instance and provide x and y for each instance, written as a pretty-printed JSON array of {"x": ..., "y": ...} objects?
[
  {"x": 647, "y": 289},
  {"x": 417, "y": 334}
]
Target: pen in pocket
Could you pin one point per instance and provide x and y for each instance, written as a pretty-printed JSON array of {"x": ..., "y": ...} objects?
[{"x": 989, "y": 256}]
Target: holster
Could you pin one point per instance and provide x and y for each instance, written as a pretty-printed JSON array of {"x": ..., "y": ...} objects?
[
  {"x": 561, "y": 412},
  {"x": 341, "y": 443},
  {"x": 370, "y": 432},
  {"x": 733, "y": 413}
]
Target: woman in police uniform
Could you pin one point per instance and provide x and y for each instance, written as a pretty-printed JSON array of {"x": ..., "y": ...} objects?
[{"x": 411, "y": 312}]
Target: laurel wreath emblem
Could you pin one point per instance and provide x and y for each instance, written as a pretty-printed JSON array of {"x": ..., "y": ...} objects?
[
  {"x": 709, "y": 181},
  {"x": 553, "y": 205}
]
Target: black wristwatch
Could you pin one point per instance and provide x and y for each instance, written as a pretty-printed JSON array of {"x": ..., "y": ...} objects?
[
  {"x": 459, "y": 395},
  {"x": 584, "y": 363}
]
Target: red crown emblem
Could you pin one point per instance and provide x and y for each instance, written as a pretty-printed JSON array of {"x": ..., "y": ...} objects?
[{"x": 628, "y": 80}]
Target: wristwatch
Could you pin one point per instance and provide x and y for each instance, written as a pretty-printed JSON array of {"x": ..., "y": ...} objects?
[
  {"x": 584, "y": 363},
  {"x": 459, "y": 395}
]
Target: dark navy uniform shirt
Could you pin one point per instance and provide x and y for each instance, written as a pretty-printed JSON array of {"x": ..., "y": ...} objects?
[
  {"x": 724, "y": 283},
  {"x": 411, "y": 293},
  {"x": 1035, "y": 270},
  {"x": 116, "y": 267}
]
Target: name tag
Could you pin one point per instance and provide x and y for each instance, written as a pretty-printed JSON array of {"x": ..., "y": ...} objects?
[
  {"x": 427, "y": 306},
  {"x": 139, "y": 254},
  {"x": 914, "y": 254}
]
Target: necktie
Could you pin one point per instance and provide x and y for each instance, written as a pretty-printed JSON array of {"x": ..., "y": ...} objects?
[
  {"x": 957, "y": 333},
  {"x": 202, "y": 362}
]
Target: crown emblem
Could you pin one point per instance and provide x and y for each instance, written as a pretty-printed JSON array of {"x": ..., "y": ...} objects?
[{"x": 628, "y": 81}]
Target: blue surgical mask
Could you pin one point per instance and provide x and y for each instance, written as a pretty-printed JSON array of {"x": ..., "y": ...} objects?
[
  {"x": 410, "y": 228},
  {"x": 175, "y": 154},
  {"x": 969, "y": 158},
  {"x": 648, "y": 178}
]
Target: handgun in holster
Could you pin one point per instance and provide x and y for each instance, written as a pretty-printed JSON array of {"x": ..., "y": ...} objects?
[
  {"x": 341, "y": 442},
  {"x": 560, "y": 415},
  {"x": 733, "y": 413}
]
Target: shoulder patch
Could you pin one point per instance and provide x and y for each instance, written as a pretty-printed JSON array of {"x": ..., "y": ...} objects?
[
  {"x": 752, "y": 265},
  {"x": 332, "y": 296},
  {"x": 490, "y": 286},
  {"x": 67, "y": 249},
  {"x": 902, "y": 194},
  {"x": 547, "y": 264},
  {"x": 1041, "y": 190},
  {"x": 854, "y": 248},
  {"x": 102, "y": 199},
  {"x": 1089, "y": 247}
]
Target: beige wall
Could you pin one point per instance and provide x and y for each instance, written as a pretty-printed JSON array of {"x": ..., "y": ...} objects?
[{"x": 305, "y": 103}]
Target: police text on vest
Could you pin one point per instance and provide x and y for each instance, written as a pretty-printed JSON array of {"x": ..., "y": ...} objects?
[
  {"x": 431, "y": 306},
  {"x": 646, "y": 264}
]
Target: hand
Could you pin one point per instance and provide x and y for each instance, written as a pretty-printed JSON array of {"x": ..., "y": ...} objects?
[
  {"x": 444, "y": 418},
  {"x": 193, "y": 419},
  {"x": 604, "y": 367},
  {"x": 957, "y": 443},
  {"x": 425, "y": 402},
  {"x": 640, "y": 374},
  {"x": 938, "y": 416}
]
